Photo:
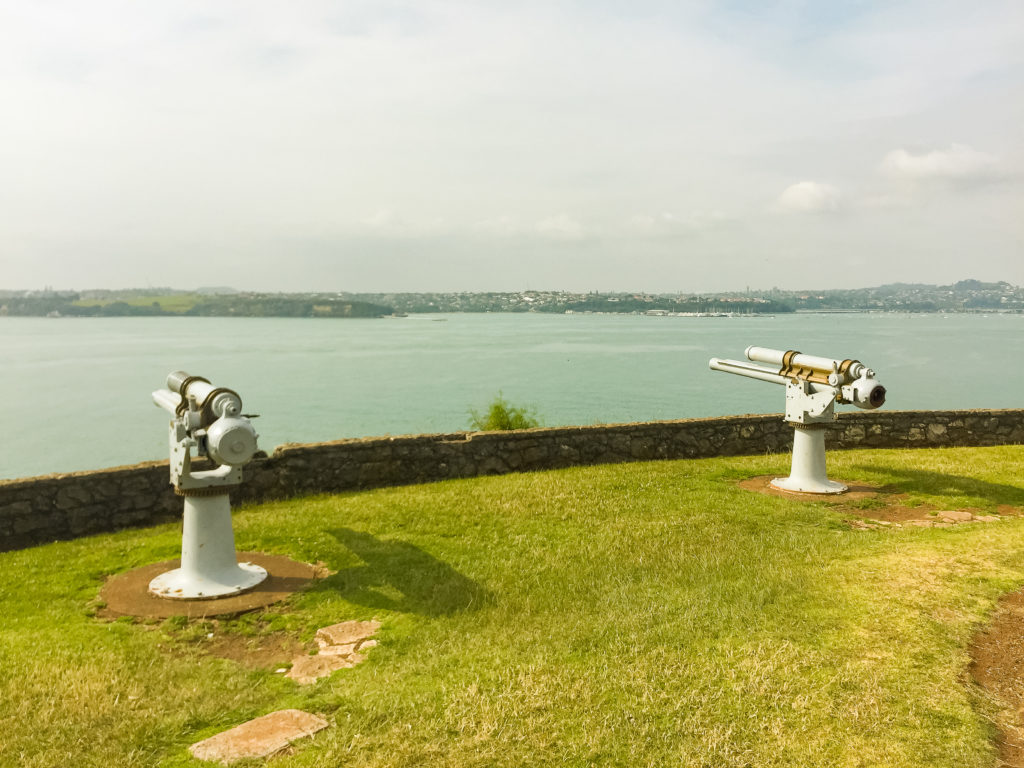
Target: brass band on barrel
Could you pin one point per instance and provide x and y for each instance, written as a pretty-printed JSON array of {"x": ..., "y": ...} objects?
[{"x": 810, "y": 373}]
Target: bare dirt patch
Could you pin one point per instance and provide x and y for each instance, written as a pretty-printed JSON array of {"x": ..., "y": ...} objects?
[
  {"x": 275, "y": 650},
  {"x": 339, "y": 646},
  {"x": 127, "y": 595},
  {"x": 256, "y": 647},
  {"x": 871, "y": 507},
  {"x": 997, "y": 665},
  {"x": 336, "y": 647}
]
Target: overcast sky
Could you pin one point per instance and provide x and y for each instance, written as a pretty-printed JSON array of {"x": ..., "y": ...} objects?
[{"x": 658, "y": 146}]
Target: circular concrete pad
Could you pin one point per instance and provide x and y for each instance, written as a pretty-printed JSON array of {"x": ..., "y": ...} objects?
[
  {"x": 762, "y": 484},
  {"x": 127, "y": 594}
]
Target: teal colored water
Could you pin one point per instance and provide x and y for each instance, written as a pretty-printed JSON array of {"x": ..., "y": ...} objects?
[{"x": 75, "y": 393}]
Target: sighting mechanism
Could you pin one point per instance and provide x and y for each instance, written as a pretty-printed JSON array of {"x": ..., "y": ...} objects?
[
  {"x": 813, "y": 386},
  {"x": 210, "y": 420}
]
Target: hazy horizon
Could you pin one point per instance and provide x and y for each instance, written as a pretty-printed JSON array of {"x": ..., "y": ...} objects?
[
  {"x": 234, "y": 289},
  {"x": 436, "y": 146}
]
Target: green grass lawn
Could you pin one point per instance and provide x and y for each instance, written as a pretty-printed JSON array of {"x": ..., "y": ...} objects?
[
  {"x": 648, "y": 614},
  {"x": 175, "y": 302}
]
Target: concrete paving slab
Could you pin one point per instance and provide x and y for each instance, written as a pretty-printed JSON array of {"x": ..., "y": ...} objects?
[
  {"x": 954, "y": 516},
  {"x": 309, "y": 669},
  {"x": 346, "y": 632},
  {"x": 339, "y": 649},
  {"x": 261, "y": 737}
]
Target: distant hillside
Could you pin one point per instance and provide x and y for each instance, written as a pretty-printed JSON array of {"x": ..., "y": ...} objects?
[
  {"x": 240, "y": 305},
  {"x": 285, "y": 306},
  {"x": 963, "y": 296},
  {"x": 217, "y": 290}
]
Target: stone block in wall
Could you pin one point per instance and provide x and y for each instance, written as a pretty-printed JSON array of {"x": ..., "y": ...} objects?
[
  {"x": 534, "y": 455},
  {"x": 568, "y": 454},
  {"x": 492, "y": 465},
  {"x": 853, "y": 434},
  {"x": 81, "y": 521},
  {"x": 27, "y": 524},
  {"x": 641, "y": 448},
  {"x": 15, "y": 509},
  {"x": 373, "y": 473},
  {"x": 70, "y": 498},
  {"x": 619, "y": 445},
  {"x": 591, "y": 447},
  {"x": 684, "y": 439}
]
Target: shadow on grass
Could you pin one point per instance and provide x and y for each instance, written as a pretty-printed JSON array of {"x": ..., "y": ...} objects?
[
  {"x": 925, "y": 481},
  {"x": 398, "y": 576}
]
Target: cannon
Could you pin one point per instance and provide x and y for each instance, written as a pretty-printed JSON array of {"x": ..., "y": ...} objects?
[
  {"x": 813, "y": 387},
  {"x": 209, "y": 420}
]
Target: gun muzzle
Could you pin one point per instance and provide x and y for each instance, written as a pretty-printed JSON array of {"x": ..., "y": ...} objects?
[{"x": 865, "y": 393}]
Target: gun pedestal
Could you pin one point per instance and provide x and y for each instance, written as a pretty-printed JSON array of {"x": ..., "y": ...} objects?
[
  {"x": 810, "y": 407},
  {"x": 209, "y": 565},
  {"x": 807, "y": 472},
  {"x": 208, "y": 419},
  {"x": 813, "y": 386}
]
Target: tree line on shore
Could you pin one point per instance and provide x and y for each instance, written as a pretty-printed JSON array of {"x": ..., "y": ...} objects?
[{"x": 215, "y": 306}]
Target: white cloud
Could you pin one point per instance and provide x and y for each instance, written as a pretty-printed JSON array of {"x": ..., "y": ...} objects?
[
  {"x": 560, "y": 227},
  {"x": 504, "y": 225},
  {"x": 387, "y": 223},
  {"x": 885, "y": 201},
  {"x": 655, "y": 223},
  {"x": 809, "y": 197},
  {"x": 668, "y": 223},
  {"x": 958, "y": 163},
  {"x": 382, "y": 219}
]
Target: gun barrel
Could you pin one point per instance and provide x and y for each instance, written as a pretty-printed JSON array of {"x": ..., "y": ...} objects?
[
  {"x": 224, "y": 402},
  {"x": 741, "y": 368},
  {"x": 824, "y": 364},
  {"x": 167, "y": 400}
]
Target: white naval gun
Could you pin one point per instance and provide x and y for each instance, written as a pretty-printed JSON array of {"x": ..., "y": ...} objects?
[
  {"x": 813, "y": 386},
  {"x": 208, "y": 419}
]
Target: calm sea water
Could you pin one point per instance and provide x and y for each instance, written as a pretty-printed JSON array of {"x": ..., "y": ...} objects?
[{"x": 75, "y": 393}]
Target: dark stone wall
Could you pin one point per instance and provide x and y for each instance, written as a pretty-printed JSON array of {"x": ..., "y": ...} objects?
[{"x": 40, "y": 509}]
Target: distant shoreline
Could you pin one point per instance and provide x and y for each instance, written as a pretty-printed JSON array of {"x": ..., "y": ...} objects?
[
  {"x": 56, "y": 315},
  {"x": 965, "y": 296}
]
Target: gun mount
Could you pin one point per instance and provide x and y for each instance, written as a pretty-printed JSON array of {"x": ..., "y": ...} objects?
[
  {"x": 813, "y": 387},
  {"x": 208, "y": 419}
]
